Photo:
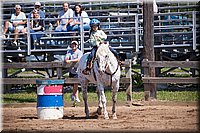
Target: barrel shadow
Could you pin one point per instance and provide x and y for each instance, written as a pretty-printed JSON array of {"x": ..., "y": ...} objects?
[{"x": 32, "y": 117}]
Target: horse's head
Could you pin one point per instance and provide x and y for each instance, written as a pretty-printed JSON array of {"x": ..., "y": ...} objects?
[{"x": 102, "y": 57}]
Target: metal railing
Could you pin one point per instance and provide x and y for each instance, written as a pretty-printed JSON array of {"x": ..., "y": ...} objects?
[{"x": 127, "y": 33}]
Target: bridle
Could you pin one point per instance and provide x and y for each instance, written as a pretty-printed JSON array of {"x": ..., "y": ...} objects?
[{"x": 110, "y": 74}]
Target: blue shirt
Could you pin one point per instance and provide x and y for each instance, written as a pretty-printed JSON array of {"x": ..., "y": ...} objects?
[{"x": 41, "y": 13}]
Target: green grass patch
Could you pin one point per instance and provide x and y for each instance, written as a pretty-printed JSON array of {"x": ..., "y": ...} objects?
[
  {"x": 178, "y": 95},
  {"x": 186, "y": 96},
  {"x": 23, "y": 97}
]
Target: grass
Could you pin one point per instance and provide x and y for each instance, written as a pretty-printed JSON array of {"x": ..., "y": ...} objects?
[{"x": 29, "y": 97}]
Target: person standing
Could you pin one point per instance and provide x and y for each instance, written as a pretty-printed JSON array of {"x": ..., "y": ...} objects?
[
  {"x": 73, "y": 56},
  {"x": 65, "y": 19},
  {"x": 78, "y": 14},
  {"x": 16, "y": 23}
]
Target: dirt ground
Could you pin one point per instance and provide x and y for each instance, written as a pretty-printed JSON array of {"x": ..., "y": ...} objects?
[{"x": 151, "y": 116}]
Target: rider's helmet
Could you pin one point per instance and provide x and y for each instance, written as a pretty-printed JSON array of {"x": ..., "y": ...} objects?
[{"x": 94, "y": 22}]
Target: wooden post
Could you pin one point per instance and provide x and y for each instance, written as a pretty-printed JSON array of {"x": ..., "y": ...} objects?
[
  {"x": 148, "y": 50},
  {"x": 6, "y": 88}
]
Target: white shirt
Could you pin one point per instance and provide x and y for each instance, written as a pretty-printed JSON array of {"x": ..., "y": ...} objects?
[
  {"x": 18, "y": 18},
  {"x": 65, "y": 16},
  {"x": 84, "y": 15}
]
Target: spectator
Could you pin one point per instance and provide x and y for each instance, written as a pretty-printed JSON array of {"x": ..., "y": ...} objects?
[
  {"x": 64, "y": 19},
  {"x": 73, "y": 56},
  {"x": 36, "y": 28},
  {"x": 37, "y": 7},
  {"x": 78, "y": 13},
  {"x": 16, "y": 23}
]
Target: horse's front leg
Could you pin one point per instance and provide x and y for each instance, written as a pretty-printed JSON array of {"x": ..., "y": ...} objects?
[
  {"x": 103, "y": 101},
  {"x": 114, "y": 99},
  {"x": 84, "y": 91},
  {"x": 100, "y": 106}
]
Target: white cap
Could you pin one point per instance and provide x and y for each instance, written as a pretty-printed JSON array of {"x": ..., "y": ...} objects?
[
  {"x": 74, "y": 42},
  {"x": 17, "y": 6},
  {"x": 37, "y": 3}
]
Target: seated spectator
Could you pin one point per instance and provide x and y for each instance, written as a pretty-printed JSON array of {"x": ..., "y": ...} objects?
[
  {"x": 78, "y": 13},
  {"x": 37, "y": 7},
  {"x": 64, "y": 19},
  {"x": 16, "y": 24},
  {"x": 73, "y": 55},
  {"x": 36, "y": 28}
]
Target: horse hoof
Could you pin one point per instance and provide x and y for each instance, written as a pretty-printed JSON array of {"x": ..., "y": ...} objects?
[
  {"x": 87, "y": 116},
  {"x": 114, "y": 116},
  {"x": 106, "y": 116},
  {"x": 99, "y": 112}
]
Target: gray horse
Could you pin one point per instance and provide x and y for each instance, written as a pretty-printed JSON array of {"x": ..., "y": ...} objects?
[{"x": 105, "y": 72}]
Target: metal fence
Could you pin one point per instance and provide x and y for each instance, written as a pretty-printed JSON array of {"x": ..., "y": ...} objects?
[{"x": 123, "y": 24}]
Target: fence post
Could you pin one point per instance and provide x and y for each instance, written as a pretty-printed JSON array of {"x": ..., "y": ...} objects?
[
  {"x": 29, "y": 38},
  {"x": 148, "y": 50},
  {"x": 194, "y": 29},
  {"x": 136, "y": 34},
  {"x": 82, "y": 35}
]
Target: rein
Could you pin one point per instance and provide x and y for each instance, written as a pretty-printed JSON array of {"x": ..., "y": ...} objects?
[{"x": 111, "y": 74}]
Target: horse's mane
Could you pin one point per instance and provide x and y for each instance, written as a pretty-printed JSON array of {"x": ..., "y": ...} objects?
[{"x": 103, "y": 50}]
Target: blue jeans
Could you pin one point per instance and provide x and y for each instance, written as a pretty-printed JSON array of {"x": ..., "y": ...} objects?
[
  {"x": 35, "y": 36},
  {"x": 86, "y": 27},
  {"x": 92, "y": 54},
  {"x": 114, "y": 52},
  {"x": 59, "y": 28}
]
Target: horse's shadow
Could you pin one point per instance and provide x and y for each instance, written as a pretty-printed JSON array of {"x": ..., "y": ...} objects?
[
  {"x": 80, "y": 117},
  {"x": 93, "y": 115}
]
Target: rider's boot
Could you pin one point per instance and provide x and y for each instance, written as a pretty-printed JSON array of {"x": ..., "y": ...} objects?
[
  {"x": 88, "y": 68},
  {"x": 119, "y": 61}
]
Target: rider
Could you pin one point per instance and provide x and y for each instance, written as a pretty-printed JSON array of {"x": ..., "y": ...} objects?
[{"x": 97, "y": 37}]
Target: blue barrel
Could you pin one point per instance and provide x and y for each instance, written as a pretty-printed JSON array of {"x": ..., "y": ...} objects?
[{"x": 50, "y": 103}]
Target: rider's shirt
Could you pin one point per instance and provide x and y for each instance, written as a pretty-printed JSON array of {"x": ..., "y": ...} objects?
[{"x": 97, "y": 37}]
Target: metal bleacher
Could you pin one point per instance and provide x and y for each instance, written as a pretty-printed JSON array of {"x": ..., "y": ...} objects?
[{"x": 175, "y": 28}]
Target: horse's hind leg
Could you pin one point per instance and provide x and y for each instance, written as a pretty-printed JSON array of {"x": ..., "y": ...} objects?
[
  {"x": 84, "y": 91},
  {"x": 114, "y": 99}
]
